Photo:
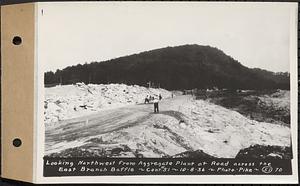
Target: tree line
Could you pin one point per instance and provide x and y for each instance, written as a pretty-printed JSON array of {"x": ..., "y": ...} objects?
[{"x": 172, "y": 68}]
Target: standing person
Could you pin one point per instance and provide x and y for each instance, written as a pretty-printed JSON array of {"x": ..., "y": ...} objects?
[
  {"x": 155, "y": 105},
  {"x": 160, "y": 97},
  {"x": 147, "y": 99}
]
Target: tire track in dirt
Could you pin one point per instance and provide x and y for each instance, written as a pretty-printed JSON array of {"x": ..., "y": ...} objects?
[{"x": 84, "y": 128}]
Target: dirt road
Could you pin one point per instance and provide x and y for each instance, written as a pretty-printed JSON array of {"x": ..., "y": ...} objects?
[{"x": 74, "y": 132}]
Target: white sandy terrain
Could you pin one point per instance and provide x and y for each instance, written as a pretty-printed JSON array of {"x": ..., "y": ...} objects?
[
  {"x": 71, "y": 101},
  {"x": 183, "y": 124}
]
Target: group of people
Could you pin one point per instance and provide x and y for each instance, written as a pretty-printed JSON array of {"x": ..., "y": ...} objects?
[{"x": 155, "y": 99}]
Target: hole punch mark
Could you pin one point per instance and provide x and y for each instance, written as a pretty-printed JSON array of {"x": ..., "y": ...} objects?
[
  {"x": 17, "y": 40},
  {"x": 17, "y": 142}
]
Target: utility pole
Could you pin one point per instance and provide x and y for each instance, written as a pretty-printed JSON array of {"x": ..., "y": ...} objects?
[
  {"x": 60, "y": 80},
  {"x": 90, "y": 78},
  {"x": 149, "y": 84}
]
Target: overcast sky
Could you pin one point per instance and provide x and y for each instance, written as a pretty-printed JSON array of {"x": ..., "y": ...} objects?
[{"x": 257, "y": 35}]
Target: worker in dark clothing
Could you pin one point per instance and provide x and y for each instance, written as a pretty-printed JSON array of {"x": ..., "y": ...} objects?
[
  {"x": 155, "y": 101},
  {"x": 147, "y": 99}
]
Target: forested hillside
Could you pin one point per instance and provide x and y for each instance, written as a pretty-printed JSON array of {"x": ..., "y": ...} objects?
[{"x": 173, "y": 68}]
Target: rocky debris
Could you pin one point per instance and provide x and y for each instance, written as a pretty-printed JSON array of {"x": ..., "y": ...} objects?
[
  {"x": 193, "y": 154},
  {"x": 276, "y": 105},
  {"x": 94, "y": 151},
  {"x": 270, "y": 107},
  {"x": 265, "y": 152}
]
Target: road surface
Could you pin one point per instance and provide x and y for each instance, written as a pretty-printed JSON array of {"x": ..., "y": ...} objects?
[{"x": 74, "y": 132}]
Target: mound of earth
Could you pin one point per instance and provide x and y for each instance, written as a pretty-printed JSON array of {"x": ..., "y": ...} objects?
[
  {"x": 183, "y": 127},
  {"x": 193, "y": 154},
  {"x": 265, "y": 152},
  {"x": 262, "y": 106},
  {"x": 71, "y": 101}
]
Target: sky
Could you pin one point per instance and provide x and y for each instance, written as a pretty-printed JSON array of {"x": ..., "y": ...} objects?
[{"x": 255, "y": 34}]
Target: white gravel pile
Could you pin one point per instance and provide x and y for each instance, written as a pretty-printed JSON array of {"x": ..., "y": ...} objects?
[
  {"x": 196, "y": 125},
  {"x": 71, "y": 101}
]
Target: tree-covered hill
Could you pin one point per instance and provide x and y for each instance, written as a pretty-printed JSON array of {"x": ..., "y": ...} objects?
[{"x": 173, "y": 68}]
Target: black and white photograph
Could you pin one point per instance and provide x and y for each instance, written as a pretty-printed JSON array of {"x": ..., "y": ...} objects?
[{"x": 166, "y": 80}]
